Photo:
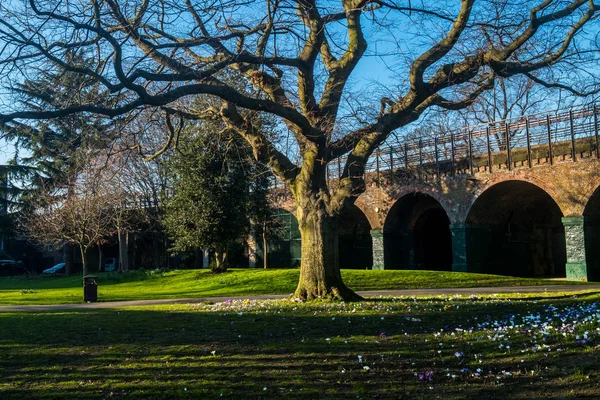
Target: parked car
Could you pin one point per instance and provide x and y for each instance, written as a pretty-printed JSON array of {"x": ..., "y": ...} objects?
[
  {"x": 58, "y": 268},
  {"x": 110, "y": 265},
  {"x": 11, "y": 267}
]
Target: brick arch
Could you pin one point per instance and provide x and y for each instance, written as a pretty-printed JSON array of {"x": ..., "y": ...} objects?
[
  {"x": 286, "y": 203},
  {"x": 443, "y": 199},
  {"x": 543, "y": 185},
  {"x": 592, "y": 200},
  {"x": 515, "y": 227},
  {"x": 370, "y": 211},
  {"x": 408, "y": 196},
  {"x": 417, "y": 230},
  {"x": 520, "y": 201}
]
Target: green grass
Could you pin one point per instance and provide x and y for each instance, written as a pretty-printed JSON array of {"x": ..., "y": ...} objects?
[
  {"x": 140, "y": 285},
  {"x": 470, "y": 347}
]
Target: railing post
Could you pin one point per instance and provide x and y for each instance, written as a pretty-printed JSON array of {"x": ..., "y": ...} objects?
[
  {"x": 489, "y": 148},
  {"x": 377, "y": 165},
  {"x": 528, "y": 134},
  {"x": 508, "y": 155},
  {"x": 406, "y": 155},
  {"x": 572, "y": 127},
  {"x": 596, "y": 131},
  {"x": 392, "y": 159},
  {"x": 339, "y": 165},
  {"x": 471, "y": 151},
  {"x": 453, "y": 160},
  {"x": 550, "y": 154},
  {"x": 420, "y": 158},
  {"x": 437, "y": 157}
]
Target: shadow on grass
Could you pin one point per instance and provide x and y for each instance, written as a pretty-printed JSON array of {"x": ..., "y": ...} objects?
[
  {"x": 168, "y": 353},
  {"x": 467, "y": 298}
]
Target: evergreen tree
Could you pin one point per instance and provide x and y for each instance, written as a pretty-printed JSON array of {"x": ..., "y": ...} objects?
[
  {"x": 50, "y": 154},
  {"x": 56, "y": 149},
  {"x": 209, "y": 208}
]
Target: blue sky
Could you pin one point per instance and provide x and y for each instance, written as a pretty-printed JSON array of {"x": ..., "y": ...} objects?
[{"x": 382, "y": 71}]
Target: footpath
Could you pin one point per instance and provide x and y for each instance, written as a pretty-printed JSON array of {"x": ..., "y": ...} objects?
[{"x": 367, "y": 294}]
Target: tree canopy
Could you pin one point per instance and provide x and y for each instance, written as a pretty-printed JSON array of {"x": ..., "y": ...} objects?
[
  {"x": 209, "y": 208},
  {"x": 311, "y": 65},
  {"x": 56, "y": 149}
]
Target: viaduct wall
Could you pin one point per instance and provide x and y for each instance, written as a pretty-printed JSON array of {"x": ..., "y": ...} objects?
[
  {"x": 530, "y": 221},
  {"x": 518, "y": 197}
]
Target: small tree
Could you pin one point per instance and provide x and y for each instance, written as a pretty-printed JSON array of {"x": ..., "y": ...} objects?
[
  {"x": 261, "y": 211},
  {"x": 84, "y": 217},
  {"x": 77, "y": 220},
  {"x": 209, "y": 205},
  {"x": 135, "y": 200}
]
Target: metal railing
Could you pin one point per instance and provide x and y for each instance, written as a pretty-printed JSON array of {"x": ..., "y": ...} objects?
[
  {"x": 507, "y": 144},
  {"x": 542, "y": 138}
]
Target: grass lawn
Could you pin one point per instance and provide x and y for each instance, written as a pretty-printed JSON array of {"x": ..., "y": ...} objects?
[
  {"x": 138, "y": 285},
  {"x": 412, "y": 348}
]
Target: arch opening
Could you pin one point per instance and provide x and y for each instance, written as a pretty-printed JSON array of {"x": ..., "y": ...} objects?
[
  {"x": 417, "y": 234},
  {"x": 284, "y": 246},
  {"x": 592, "y": 207},
  {"x": 515, "y": 228},
  {"x": 284, "y": 243},
  {"x": 591, "y": 214},
  {"x": 355, "y": 246}
]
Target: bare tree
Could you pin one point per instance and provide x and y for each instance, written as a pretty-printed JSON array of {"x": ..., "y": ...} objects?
[
  {"x": 146, "y": 184},
  {"x": 299, "y": 60},
  {"x": 85, "y": 218},
  {"x": 513, "y": 97},
  {"x": 509, "y": 98}
]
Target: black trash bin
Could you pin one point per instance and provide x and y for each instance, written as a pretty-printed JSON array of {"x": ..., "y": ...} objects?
[{"x": 90, "y": 288}]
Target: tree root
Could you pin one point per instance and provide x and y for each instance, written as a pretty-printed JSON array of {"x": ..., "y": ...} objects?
[{"x": 340, "y": 293}]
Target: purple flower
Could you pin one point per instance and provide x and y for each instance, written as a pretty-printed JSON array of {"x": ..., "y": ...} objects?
[{"x": 426, "y": 376}]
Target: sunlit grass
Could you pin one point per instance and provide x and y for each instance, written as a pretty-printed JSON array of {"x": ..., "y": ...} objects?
[{"x": 140, "y": 285}]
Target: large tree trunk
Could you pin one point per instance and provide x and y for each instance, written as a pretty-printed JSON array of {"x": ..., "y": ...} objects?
[{"x": 320, "y": 275}]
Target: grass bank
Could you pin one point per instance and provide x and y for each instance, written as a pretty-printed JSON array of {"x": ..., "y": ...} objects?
[
  {"x": 141, "y": 285},
  {"x": 411, "y": 348}
]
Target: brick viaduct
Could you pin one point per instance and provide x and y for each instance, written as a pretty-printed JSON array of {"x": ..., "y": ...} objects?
[{"x": 535, "y": 213}]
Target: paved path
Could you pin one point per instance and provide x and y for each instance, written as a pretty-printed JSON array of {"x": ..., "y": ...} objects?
[{"x": 371, "y": 293}]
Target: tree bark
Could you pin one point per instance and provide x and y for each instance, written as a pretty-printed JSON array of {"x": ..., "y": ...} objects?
[
  {"x": 320, "y": 275},
  {"x": 198, "y": 261},
  {"x": 83, "y": 251},
  {"x": 123, "y": 237},
  {"x": 220, "y": 264},
  {"x": 68, "y": 256},
  {"x": 265, "y": 246},
  {"x": 100, "y": 259}
]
